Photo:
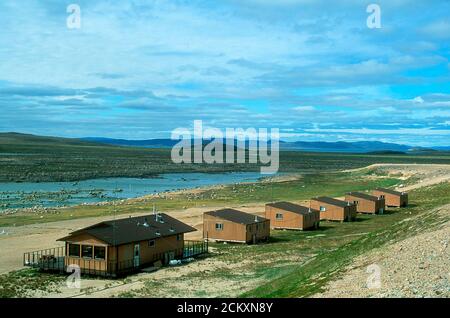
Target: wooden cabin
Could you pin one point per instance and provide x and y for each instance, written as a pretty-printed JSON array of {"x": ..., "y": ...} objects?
[
  {"x": 366, "y": 203},
  {"x": 229, "y": 225},
  {"x": 334, "y": 210},
  {"x": 116, "y": 246},
  {"x": 290, "y": 216},
  {"x": 392, "y": 198}
]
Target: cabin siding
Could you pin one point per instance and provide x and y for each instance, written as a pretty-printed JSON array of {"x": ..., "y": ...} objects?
[
  {"x": 234, "y": 232},
  {"x": 365, "y": 205},
  {"x": 333, "y": 212},
  {"x": 291, "y": 220},
  {"x": 122, "y": 256},
  {"x": 86, "y": 263},
  {"x": 258, "y": 232},
  {"x": 393, "y": 200}
]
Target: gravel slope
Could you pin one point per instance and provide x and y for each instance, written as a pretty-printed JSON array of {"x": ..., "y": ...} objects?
[{"x": 415, "y": 267}]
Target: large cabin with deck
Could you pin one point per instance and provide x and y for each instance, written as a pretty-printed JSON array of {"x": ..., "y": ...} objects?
[{"x": 117, "y": 247}]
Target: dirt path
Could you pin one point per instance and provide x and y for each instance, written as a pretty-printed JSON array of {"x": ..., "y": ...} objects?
[{"x": 415, "y": 267}]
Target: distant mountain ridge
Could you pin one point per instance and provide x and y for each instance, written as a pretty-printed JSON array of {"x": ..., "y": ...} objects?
[
  {"x": 375, "y": 147},
  {"x": 316, "y": 146}
]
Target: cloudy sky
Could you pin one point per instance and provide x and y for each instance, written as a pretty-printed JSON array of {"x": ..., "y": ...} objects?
[{"x": 313, "y": 69}]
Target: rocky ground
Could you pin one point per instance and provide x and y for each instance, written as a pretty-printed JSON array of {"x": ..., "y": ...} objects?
[{"x": 415, "y": 267}]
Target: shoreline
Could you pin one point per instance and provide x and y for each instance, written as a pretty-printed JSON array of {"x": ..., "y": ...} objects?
[{"x": 168, "y": 193}]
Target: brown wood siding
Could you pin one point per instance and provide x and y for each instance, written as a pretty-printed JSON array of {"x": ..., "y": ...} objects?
[
  {"x": 366, "y": 206},
  {"x": 125, "y": 257},
  {"x": 392, "y": 199},
  {"x": 84, "y": 262},
  {"x": 333, "y": 212},
  {"x": 162, "y": 245},
  {"x": 234, "y": 232},
  {"x": 291, "y": 220},
  {"x": 258, "y": 232}
]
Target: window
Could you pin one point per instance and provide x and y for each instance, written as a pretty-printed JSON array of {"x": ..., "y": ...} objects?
[
  {"x": 99, "y": 252},
  {"x": 323, "y": 209},
  {"x": 355, "y": 202},
  {"x": 74, "y": 250},
  {"x": 151, "y": 243},
  {"x": 86, "y": 251},
  {"x": 219, "y": 226},
  {"x": 179, "y": 237},
  {"x": 279, "y": 216}
]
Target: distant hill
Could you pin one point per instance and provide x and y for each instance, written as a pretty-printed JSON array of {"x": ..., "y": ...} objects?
[
  {"x": 343, "y": 146},
  {"x": 310, "y": 146},
  {"x": 149, "y": 143},
  {"x": 373, "y": 147},
  {"x": 28, "y": 139}
]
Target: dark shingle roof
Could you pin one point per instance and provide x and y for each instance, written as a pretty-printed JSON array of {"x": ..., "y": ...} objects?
[
  {"x": 291, "y": 207},
  {"x": 236, "y": 216},
  {"x": 134, "y": 229},
  {"x": 332, "y": 201},
  {"x": 364, "y": 196},
  {"x": 390, "y": 191}
]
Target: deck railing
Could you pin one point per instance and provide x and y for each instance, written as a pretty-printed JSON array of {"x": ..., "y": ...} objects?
[{"x": 54, "y": 259}]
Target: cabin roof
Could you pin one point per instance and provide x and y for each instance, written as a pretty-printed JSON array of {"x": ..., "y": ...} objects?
[
  {"x": 291, "y": 207},
  {"x": 390, "y": 191},
  {"x": 364, "y": 196},
  {"x": 134, "y": 229},
  {"x": 236, "y": 216},
  {"x": 332, "y": 201}
]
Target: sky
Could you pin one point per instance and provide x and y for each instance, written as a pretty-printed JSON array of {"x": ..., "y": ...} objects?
[{"x": 313, "y": 69}]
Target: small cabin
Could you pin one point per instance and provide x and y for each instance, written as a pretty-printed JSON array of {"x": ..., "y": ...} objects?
[
  {"x": 366, "y": 203},
  {"x": 392, "y": 198},
  {"x": 290, "y": 216},
  {"x": 229, "y": 225},
  {"x": 333, "y": 209},
  {"x": 116, "y": 246}
]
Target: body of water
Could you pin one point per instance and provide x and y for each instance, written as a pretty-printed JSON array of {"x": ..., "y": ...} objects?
[{"x": 53, "y": 194}]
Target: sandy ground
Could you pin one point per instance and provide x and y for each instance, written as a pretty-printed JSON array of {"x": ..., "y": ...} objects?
[
  {"x": 416, "y": 267},
  {"x": 427, "y": 174},
  {"x": 39, "y": 236}
]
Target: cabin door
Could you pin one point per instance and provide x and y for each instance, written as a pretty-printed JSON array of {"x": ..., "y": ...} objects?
[
  {"x": 137, "y": 255},
  {"x": 381, "y": 211}
]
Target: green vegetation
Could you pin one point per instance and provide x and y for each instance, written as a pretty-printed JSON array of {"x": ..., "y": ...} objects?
[
  {"x": 38, "y": 159},
  {"x": 375, "y": 231},
  {"x": 23, "y": 282},
  {"x": 299, "y": 264}
]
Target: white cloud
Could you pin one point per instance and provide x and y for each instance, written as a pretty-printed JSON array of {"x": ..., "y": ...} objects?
[
  {"x": 418, "y": 100},
  {"x": 304, "y": 108}
]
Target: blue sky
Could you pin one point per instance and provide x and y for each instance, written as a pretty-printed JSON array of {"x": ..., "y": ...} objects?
[{"x": 313, "y": 69}]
